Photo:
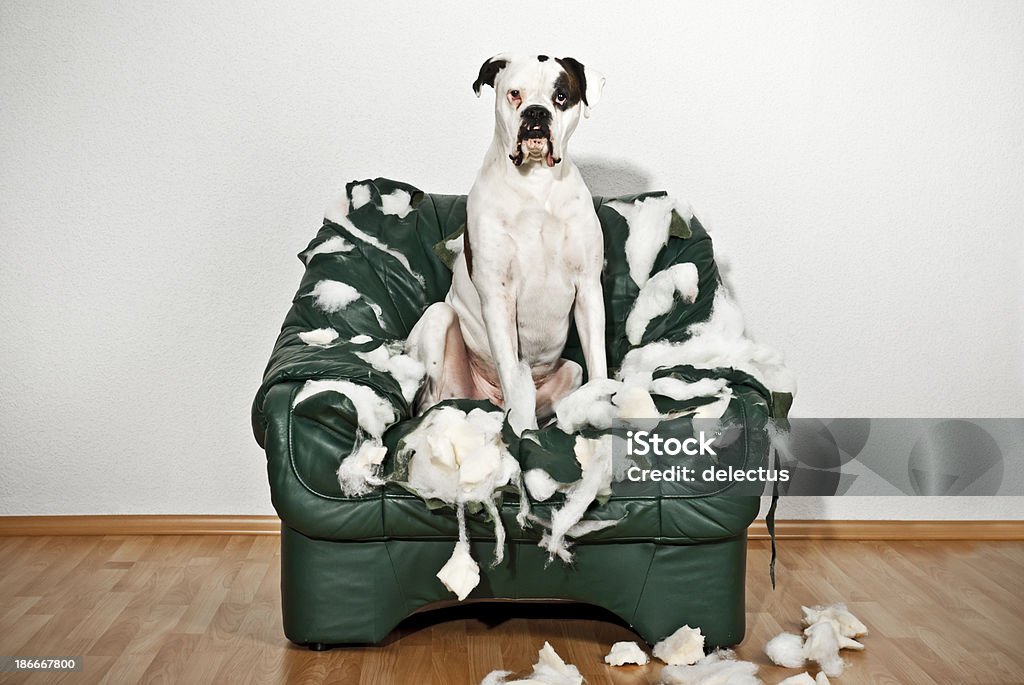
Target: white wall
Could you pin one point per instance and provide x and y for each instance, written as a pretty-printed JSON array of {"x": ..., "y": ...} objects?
[{"x": 160, "y": 164}]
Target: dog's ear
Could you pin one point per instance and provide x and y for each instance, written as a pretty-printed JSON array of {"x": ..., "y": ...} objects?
[
  {"x": 489, "y": 71},
  {"x": 589, "y": 81}
]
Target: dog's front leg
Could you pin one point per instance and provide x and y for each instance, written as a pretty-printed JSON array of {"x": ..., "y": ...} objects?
[
  {"x": 589, "y": 316},
  {"x": 517, "y": 388}
]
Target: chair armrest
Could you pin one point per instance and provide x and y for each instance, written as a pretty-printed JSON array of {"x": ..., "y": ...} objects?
[
  {"x": 294, "y": 361},
  {"x": 304, "y": 443}
]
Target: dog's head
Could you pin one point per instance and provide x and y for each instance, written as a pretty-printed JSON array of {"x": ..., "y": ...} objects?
[{"x": 537, "y": 104}]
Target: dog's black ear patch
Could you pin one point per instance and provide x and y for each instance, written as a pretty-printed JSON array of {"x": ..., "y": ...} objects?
[
  {"x": 488, "y": 72},
  {"x": 575, "y": 79}
]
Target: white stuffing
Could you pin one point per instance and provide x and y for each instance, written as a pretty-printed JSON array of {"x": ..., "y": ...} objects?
[
  {"x": 634, "y": 402},
  {"x": 550, "y": 669},
  {"x": 592, "y": 454},
  {"x": 408, "y": 372},
  {"x": 397, "y": 202},
  {"x": 594, "y": 404},
  {"x": 590, "y": 526},
  {"x": 623, "y": 653},
  {"x": 718, "y": 342},
  {"x": 802, "y": 679},
  {"x": 337, "y": 208},
  {"x": 360, "y": 195},
  {"x": 460, "y": 458},
  {"x": 360, "y": 472},
  {"x": 523, "y": 515},
  {"x": 821, "y": 679},
  {"x": 595, "y": 457},
  {"x": 333, "y": 296},
  {"x": 330, "y": 246},
  {"x": 847, "y": 624},
  {"x": 320, "y": 337},
  {"x": 718, "y": 668},
  {"x": 373, "y": 413},
  {"x": 461, "y": 573},
  {"x": 683, "y": 208},
  {"x": 578, "y": 530},
  {"x": 360, "y": 339},
  {"x": 822, "y": 645},
  {"x": 540, "y": 484},
  {"x": 682, "y": 648},
  {"x": 787, "y": 650},
  {"x": 588, "y": 405},
  {"x": 850, "y": 643},
  {"x": 657, "y": 295},
  {"x": 679, "y": 390},
  {"x": 829, "y": 630},
  {"x": 600, "y": 403},
  {"x": 649, "y": 221}
]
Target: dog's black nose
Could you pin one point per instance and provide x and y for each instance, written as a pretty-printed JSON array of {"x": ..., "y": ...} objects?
[{"x": 536, "y": 113}]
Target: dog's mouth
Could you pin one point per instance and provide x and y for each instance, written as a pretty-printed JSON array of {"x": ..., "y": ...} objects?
[{"x": 534, "y": 142}]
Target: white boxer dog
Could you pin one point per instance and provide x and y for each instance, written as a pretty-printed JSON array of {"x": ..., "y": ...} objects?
[{"x": 532, "y": 254}]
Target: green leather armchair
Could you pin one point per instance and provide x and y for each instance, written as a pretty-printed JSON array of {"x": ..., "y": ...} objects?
[{"x": 354, "y": 567}]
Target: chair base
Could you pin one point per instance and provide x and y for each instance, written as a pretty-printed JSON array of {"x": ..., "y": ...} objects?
[{"x": 357, "y": 592}]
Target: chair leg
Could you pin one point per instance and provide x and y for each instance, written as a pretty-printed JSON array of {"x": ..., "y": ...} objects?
[{"x": 317, "y": 647}]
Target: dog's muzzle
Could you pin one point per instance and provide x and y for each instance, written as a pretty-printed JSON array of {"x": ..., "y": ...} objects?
[{"x": 534, "y": 138}]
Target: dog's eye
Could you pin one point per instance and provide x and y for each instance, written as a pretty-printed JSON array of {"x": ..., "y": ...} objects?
[
  {"x": 515, "y": 97},
  {"x": 514, "y": 93},
  {"x": 561, "y": 97}
]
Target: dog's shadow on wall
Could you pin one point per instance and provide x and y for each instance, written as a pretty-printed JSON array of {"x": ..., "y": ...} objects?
[{"x": 613, "y": 177}]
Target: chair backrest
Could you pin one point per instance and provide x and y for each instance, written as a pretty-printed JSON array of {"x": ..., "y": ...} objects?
[{"x": 390, "y": 255}]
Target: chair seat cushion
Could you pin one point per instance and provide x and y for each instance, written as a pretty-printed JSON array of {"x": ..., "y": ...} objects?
[{"x": 660, "y": 511}]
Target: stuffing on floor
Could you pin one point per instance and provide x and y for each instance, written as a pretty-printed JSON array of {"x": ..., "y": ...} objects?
[
  {"x": 549, "y": 670},
  {"x": 682, "y": 648},
  {"x": 623, "y": 653},
  {"x": 828, "y": 629},
  {"x": 806, "y": 679},
  {"x": 721, "y": 667}
]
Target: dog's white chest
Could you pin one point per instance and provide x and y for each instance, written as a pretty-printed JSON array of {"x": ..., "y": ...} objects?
[
  {"x": 545, "y": 268},
  {"x": 543, "y": 246}
]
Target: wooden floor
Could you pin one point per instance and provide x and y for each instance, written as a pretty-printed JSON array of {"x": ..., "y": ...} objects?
[{"x": 205, "y": 609}]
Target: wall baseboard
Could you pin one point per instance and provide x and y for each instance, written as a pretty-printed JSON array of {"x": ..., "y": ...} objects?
[
  {"x": 11, "y": 526},
  {"x": 133, "y": 524},
  {"x": 889, "y": 530}
]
